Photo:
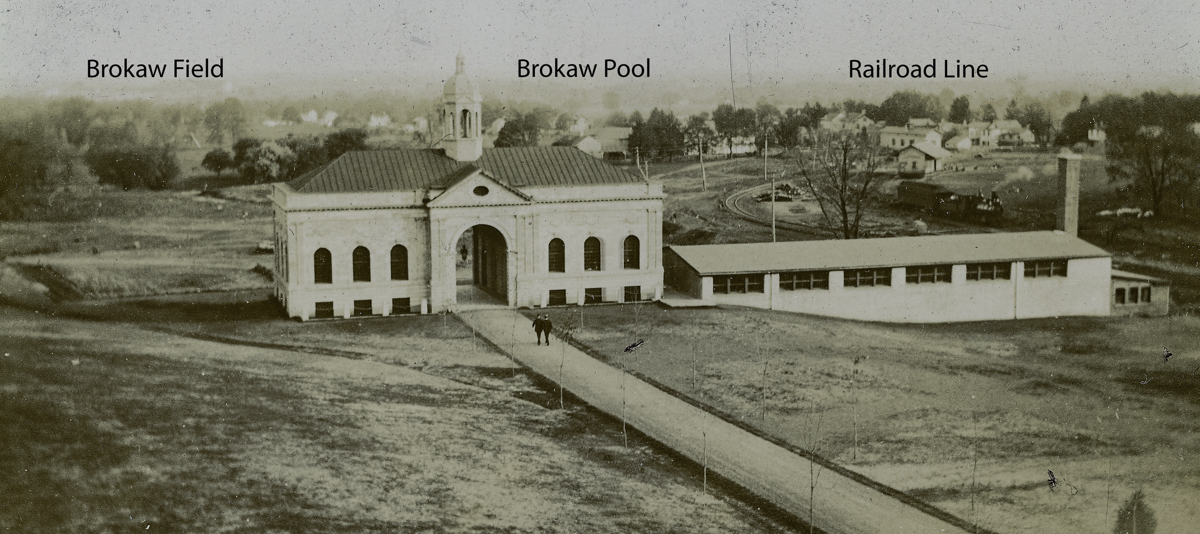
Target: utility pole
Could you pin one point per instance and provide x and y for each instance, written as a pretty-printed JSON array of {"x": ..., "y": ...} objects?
[
  {"x": 731, "y": 91},
  {"x": 767, "y": 144},
  {"x": 703, "y": 175}
]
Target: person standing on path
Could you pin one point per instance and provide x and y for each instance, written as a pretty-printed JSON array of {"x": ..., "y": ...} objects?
[
  {"x": 538, "y": 328},
  {"x": 547, "y": 327}
]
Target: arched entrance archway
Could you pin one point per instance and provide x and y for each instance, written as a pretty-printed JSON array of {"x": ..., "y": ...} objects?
[{"x": 481, "y": 267}]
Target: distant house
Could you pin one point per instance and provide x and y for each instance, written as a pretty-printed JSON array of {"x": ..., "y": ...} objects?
[
  {"x": 328, "y": 118},
  {"x": 588, "y": 144},
  {"x": 921, "y": 158},
  {"x": 959, "y": 142},
  {"x": 977, "y": 132},
  {"x": 896, "y": 137},
  {"x": 580, "y": 127},
  {"x": 1007, "y": 133},
  {"x": 1097, "y": 135},
  {"x": 839, "y": 121},
  {"x": 832, "y": 120},
  {"x": 614, "y": 141},
  {"x": 494, "y": 129},
  {"x": 379, "y": 121}
]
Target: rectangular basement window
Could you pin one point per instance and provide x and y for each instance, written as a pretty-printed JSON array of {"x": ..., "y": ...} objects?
[
  {"x": 324, "y": 310},
  {"x": 593, "y": 295},
  {"x": 362, "y": 308},
  {"x": 558, "y": 297},
  {"x": 1145, "y": 295},
  {"x": 633, "y": 293},
  {"x": 1120, "y": 295},
  {"x": 401, "y": 306}
]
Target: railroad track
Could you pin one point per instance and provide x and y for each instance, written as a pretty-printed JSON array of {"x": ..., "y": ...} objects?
[{"x": 735, "y": 204}]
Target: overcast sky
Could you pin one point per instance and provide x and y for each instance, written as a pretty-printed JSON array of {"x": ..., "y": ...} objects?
[{"x": 42, "y": 42}]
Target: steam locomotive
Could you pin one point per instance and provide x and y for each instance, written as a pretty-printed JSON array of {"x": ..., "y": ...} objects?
[{"x": 941, "y": 202}]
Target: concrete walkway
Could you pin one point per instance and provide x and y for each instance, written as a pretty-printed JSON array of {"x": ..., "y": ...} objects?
[{"x": 842, "y": 503}]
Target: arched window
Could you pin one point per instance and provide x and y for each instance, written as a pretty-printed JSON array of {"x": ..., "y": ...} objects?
[
  {"x": 399, "y": 263},
  {"x": 322, "y": 266},
  {"x": 466, "y": 123},
  {"x": 591, "y": 254},
  {"x": 633, "y": 253},
  {"x": 558, "y": 256},
  {"x": 362, "y": 264}
]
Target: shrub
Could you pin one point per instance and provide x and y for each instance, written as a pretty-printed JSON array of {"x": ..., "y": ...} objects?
[
  {"x": 1135, "y": 516},
  {"x": 134, "y": 167}
]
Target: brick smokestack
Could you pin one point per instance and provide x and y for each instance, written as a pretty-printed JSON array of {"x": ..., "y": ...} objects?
[{"x": 1068, "y": 192}]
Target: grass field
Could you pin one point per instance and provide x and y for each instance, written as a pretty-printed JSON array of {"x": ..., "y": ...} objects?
[
  {"x": 1089, "y": 398},
  {"x": 108, "y": 426},
  {"x": 138, "y": 243}
]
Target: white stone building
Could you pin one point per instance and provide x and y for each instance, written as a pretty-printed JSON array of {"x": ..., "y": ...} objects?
[{"x": 382, "y": 232}]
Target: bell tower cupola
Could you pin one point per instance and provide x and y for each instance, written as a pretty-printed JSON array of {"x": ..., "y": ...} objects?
[{"x": 461, "y": 133}]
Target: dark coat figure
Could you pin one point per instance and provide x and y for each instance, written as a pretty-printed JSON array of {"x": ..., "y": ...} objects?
[
  {"x": 547, "y": 327},
  {"x": 539, "y": 326}
]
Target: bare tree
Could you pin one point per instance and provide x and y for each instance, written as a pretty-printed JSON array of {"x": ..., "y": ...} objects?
[
  {"x": 858, "y": 358},
  {"x": 566, "y": 332},
  {"x": 840, "y": 172},
  {"x": 814, "y": 469}
]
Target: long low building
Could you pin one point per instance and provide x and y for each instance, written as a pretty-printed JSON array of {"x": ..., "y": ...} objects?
[{"x": 907, "y": 279}]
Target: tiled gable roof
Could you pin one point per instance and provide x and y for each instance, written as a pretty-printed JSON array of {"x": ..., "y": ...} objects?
[
  {"x": 420, "y": 169},
  {"x": 929, "y": 148}
]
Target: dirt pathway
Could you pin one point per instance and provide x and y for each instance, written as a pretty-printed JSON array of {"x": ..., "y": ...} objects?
[{"x": 841, "y": 502}]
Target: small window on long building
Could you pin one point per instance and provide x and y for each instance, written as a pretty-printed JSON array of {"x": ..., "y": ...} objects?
[
  {"x": 741, "y": 283},
  {"x": 927, "y": 274},
  {"x": 868, "y": 277},
  {"x": 804, "y": 280},
  {"x": 989, "y": 271},
  {"x": 1045, "y": 268},
  {"x": 1145, "y": 295}
]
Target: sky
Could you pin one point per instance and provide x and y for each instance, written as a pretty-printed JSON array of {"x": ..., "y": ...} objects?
[{"x": 45, "y": 43}]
